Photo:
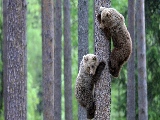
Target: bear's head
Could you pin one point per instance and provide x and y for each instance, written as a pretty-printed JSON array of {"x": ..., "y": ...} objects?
[
  {"x": 90, "y": 62},
  {"x": 109, "y": 17}
]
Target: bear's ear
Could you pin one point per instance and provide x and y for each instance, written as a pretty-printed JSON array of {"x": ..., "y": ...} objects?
[
  {"x": 101, "y": 9},
  {"x": 94, "y": 58},
  {"x": 85, "y": 58}
]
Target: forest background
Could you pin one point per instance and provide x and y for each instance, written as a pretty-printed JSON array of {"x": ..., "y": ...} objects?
[{"x": 118, "y": 85}]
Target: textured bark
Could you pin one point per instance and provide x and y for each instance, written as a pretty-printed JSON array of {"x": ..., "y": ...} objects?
[
  {"x": 67, "y": 61},
  {"x": 141, "y": 54},
  {"x": 48, "y": 59},
  {"x": 102, "y": 49},
  {"x": 57, "y": 60},
  {"x": 82, "y": 42},
  {"x": 131, "y": 115},
  {"x": 14, "y": 58}
]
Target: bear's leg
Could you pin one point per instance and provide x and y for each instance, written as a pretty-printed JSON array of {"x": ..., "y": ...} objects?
[
  {"x": 114, "y": 68},
  {"x": 116, "y": 61},
  {"x": 90, "y": 107},
  {"x": 81, "y": 95},
  {"x": 91, "y": 111}
]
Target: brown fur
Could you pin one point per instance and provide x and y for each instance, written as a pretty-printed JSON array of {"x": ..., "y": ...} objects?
[
  {"x": 89, "y": 72},
  {"x": 112, "y": 23}
]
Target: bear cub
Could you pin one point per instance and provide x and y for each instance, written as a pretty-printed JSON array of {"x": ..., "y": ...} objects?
[
  {"x": 90, "y": 70},
  {"x": 112, "y": 23}
]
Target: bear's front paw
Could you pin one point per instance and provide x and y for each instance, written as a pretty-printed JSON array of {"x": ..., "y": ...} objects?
[
  {"x": 102, "y": 65},
  {"x": 114, "y": 71},
  {"x": 99, "y": 70}
]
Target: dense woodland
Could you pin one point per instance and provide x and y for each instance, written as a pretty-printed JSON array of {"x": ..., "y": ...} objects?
[{"x": 35, "y": 33}]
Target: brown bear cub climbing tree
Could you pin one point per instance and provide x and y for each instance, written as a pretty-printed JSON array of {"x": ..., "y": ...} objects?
[
  {"x": 112, "y": 23},
  {"x": 90, "y": 70}
]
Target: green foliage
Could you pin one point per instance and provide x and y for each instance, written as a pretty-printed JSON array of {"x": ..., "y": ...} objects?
[
  {"x": 118, "y": 95},
  {"x": 34, "y": 59},
  {"x": 74, "y": 43},
  {"x": 153, "y": 58},
  {"x": 121, "y": 5},
  {"x": 91, "y": 26},
  {"x": 32, "y": 99},
  {"x": 153, "y": 77},
  {"x": 152, "y": 14}
]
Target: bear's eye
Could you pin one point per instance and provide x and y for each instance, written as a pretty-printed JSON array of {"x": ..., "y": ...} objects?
[
  {"x": 103, "y": 21},
  {"x": 92, "y": 66}
]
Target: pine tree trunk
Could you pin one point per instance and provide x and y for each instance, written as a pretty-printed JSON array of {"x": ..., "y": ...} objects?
[
  {"x": 67, "y": 61},
  {"x": 102, "y": 50},
  {"x": 1, "y": 71},
  {"x": 14, "y": 58},
  {"x": 57, "y": 59},
  {"x": 131, "y": 115},
  {"x": 48, "y": 59},
  {"x": 82, "y": 43},
  {"x": 141, "y": 54}
]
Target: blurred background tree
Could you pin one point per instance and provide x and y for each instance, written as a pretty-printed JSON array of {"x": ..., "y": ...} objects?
[{"x": 1, "y": 64}]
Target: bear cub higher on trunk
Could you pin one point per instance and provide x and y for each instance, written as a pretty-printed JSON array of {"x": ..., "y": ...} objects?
[{"x": 112, "y": 23}]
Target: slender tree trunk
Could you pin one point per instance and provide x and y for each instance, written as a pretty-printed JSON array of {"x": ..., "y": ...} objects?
[
  {"x": 1, "y": 66},
  {"x": 14, "y": 58},
  {"x": 82, "y": 43},
  {"x": 102, "y": 49},
  {"x": 48, "y": 58},
  {"x": 67, "y": 61},
  {"x": 131, "y": 115},
  {"x": 141, "y": 54},
  {"x": 57, "y": 60}
]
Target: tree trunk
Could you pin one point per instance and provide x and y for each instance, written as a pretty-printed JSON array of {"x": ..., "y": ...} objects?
[
  {"x": 141, "y": 54},
  {"x": 102, "y": 50},
  {"x": 67, "y": 61},
  {"x": 48, "y": 59},
  {"x": 1, "y": 59},
  {"x": 57, "y": 60},
  {"x": 82, "y": 43},
  {"x": 131, "y": 64},
  {"x": 14, "y": 58}
]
